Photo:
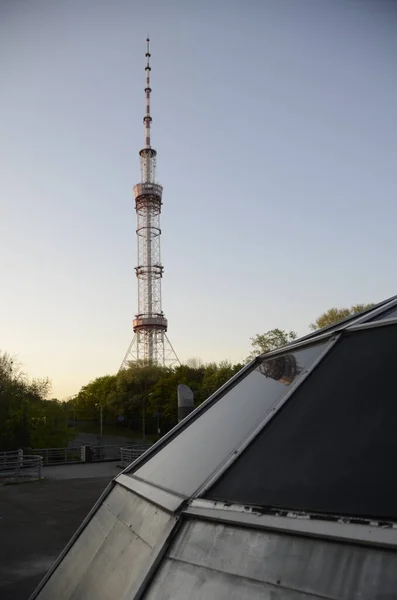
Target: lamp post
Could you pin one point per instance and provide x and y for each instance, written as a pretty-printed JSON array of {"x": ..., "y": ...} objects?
[
  {"x": 143, "y": 416},
  {"x": 73, "y": 399}
]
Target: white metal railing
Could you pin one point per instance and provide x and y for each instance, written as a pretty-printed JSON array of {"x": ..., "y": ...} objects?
[
  {"x": 19, "y": 466},
  {"x": 7, "y": 457},
  {"x": 130, "y": 453},
  {"x": 9, "y": 461},
  {"x": 85, "y": 453},
  {"x": 58, "y": 456}
]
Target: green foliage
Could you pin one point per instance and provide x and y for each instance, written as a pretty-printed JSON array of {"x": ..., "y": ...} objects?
[
  {"x": 334, "y": 315},
  {"x": 27, "y": 418},
  {"x": 91, "y": 397},
  {"x": 147, "y": 387},
  {"x": 265, "y": 342},
  {"x": 48, "y": 427}
]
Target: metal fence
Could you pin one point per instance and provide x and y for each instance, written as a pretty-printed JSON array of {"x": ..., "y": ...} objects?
[
  {"x": 57, "y": 456},
  {"x": 16, "y": 465},
  {"x": 130, "y": 453},
  {"x": 7, "y": 457},
  {"x": 63, "y": 456}
]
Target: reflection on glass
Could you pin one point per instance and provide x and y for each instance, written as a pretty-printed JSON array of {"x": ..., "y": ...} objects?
[
  {"x": 283, "y": 368},
  {"x": 190, "y": 458}
]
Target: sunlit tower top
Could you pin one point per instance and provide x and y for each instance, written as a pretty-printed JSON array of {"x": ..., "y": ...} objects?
[{"x": 150, "y": 344}]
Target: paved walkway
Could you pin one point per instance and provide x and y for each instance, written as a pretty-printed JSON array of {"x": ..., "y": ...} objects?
[
  {"x": 82, "y": 471},
  {"x": 91, "y": 439},
  {"x": 36, "y": 522}
]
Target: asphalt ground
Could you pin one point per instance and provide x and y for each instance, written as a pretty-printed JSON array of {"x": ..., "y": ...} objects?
[
  {"x": 92, "y": 439},
  {"x": 83, "y": 471},
  {"x": 37, "y": 519}
]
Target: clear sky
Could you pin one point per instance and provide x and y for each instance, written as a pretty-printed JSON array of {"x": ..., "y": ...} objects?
[{"x": 276, "y": 130}]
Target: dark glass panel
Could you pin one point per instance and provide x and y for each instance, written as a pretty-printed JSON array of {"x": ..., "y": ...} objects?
[
  {"x": 332, "y": 448},
  {"x": 197, "y": 451}
]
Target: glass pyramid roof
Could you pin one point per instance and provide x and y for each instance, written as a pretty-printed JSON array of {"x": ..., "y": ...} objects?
[
  {"x": 332, "y": 448},
  {"x": 189, "y": 459},
  {"x": 282, "y": 484},
  {"x": 307, "y": 427}
]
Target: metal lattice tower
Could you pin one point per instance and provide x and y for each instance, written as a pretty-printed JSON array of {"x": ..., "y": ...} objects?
[{"x": 150, "y": 344}]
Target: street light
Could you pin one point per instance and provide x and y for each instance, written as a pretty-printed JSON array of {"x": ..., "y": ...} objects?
[{"x": 143, "y": 416}]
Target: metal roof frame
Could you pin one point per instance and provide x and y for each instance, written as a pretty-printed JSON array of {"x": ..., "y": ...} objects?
[
  {"x": 372, "y": 324},
  {"x": 307, "y": 524},
  {"x": 167, "y": 500},
  {"x": 347, "y": 321}
]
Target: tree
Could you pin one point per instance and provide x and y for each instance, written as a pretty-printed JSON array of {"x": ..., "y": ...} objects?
[
  {"x": 134, "y": 385},
  {"x": 86, "y": 405},
  {"x": 265, "y": 342},
  {"x": 48, "y": 425},
  {"x": 215, "y": 375},
  {"x": 194, "y": 362},
  {"x": 334, "y": 315},
  {"x": 203, "y": 380},
  {"x": 150, "y": 388},
  {"x": 27, "y": 418},
  {"x": 164, "y": 393}
]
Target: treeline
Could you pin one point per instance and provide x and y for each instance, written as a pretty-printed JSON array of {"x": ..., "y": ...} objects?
[
  {"x": 27, "y": 417},
  {"x": 122, "y": 398}
]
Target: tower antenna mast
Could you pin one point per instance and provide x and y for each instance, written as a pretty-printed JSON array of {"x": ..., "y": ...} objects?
[{"x": 150, "y": 344}]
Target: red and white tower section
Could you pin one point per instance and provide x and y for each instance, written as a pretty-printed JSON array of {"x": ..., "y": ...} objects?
[{"x": 150, "y": 344}]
